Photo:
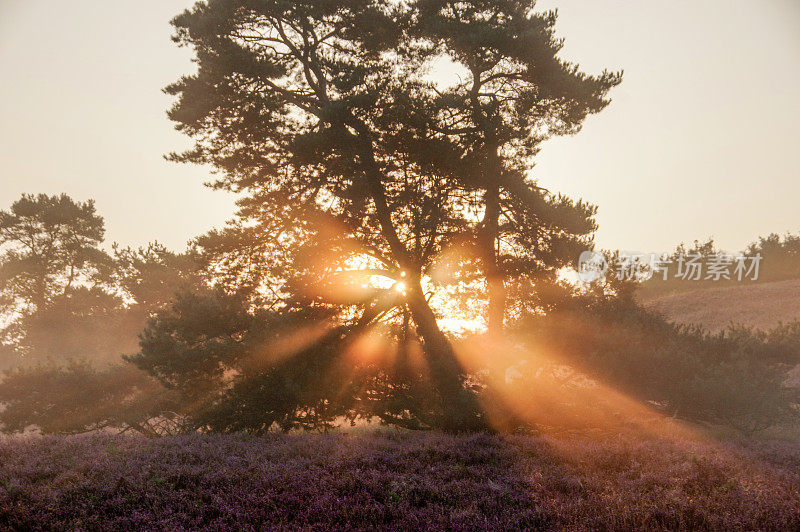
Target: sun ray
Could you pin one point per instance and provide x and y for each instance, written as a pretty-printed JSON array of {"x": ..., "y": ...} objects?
[{"x": 527, "y": 386}]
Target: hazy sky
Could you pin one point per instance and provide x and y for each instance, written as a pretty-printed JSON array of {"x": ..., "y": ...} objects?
[{"x": 702, "y": 138}]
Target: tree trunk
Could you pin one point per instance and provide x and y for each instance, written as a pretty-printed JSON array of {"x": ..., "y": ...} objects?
[
  {"x": 461, "y": 411},
  {"x": 460, "y": 407},
  {"x": 490, "y": 225},
  {"x": 487, "y": 241}
]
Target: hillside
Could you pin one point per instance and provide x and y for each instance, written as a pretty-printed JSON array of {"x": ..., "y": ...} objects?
[
  {"x": 762, "y": 305},
  {"x": 396, "y": 481}
]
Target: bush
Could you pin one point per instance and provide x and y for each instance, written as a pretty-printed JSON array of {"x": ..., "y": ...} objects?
[
  {"x": 80, "y": 398},
  {"x": 733, "y": 378}
]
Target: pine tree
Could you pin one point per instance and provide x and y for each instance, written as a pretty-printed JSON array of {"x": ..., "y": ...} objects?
[
  {"x": 352, "y": 163},
  {"x": 516, "y": 92}
]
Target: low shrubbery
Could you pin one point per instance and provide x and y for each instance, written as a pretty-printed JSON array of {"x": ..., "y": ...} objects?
[
  {"x": 215, "y": 367},
  {"x": 733, "y": 378}
]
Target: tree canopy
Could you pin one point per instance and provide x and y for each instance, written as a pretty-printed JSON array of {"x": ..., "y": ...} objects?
[
  {"x": 354, "y": 163},
  {"x": 50, "y": 244}
]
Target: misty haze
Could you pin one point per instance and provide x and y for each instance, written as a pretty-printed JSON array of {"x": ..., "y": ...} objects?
[{"x": 381, "y": 264}]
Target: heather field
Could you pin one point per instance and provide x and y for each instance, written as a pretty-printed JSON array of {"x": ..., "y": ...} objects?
[{"x": 396, "y": 481}]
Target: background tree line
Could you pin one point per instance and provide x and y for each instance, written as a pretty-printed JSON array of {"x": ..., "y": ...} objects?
[{"x": 780, "y": 261}]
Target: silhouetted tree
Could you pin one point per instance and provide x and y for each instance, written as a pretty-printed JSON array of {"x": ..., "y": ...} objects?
[
  {"x": 51, "y": 261},
  {"x": 324, "y": 114},
  {"x": 515, "y": 93},
  {"x": 64, "y": 297},
  {"x": 50, "y": 244},
  {"x": 314, "y": 110}
]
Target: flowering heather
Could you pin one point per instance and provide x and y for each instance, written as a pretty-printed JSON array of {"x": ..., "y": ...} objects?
[{"x": 396, "y": 481}]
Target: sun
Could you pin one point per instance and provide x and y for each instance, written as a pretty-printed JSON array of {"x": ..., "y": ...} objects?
[{"x": 450, "y": 316}]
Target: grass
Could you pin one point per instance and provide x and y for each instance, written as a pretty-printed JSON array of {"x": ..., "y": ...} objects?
[
  {"x": 398, "y": 481},
  {"x": 762, "y": 305}
]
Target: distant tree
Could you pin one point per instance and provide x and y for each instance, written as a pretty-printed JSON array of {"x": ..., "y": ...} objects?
[
  {"x": 779, "y": 261},
  {"x": 64, "y": 297},
  {"x": 704, "y": 249},
  {"x": 51, "y": 267},
  {"x": 780, "y": 256},
  {"x": 72, "y": 378},
  {"x": 50, "y": 246},
  {"x": 92, "y": 326}
]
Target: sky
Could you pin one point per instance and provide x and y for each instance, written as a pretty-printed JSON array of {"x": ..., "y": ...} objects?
[{"x": 701, "y": 138}]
